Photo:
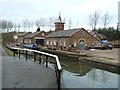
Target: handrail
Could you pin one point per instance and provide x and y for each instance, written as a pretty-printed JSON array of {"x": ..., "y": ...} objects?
[
  {"x": 58, "y": 65},
  {"x": 44, "y": 53}
]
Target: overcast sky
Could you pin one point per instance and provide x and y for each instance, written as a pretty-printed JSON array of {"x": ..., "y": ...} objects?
[{"x": 77, "y": 10}]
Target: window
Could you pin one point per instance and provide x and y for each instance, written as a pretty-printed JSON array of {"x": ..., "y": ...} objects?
[
  {"x": 51, "y": 43},
  {"x": 55, "y": 43},
  {"x": 60, "y": 42},
  {"x": 82, "y": 32},
  {"x": 64, "y": 44},
  {"x": 95, "y": 35},
  {"x": 75, "y": 44},
  {"x": 29, "y": 41},
  {"x": 42, "y": 34},
  {"x": 47, "y": 42}
]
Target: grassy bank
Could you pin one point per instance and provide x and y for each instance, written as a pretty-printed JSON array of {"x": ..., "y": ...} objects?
[{"x": 8, "y": 51}]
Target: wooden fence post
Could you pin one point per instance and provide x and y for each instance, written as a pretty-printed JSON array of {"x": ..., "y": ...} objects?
[
  {"x": 26, "y": 54},
  {"x": 19, "y": 53},
  {"x": 34, "y": 56},
  {"x": 39, "y": 58}
]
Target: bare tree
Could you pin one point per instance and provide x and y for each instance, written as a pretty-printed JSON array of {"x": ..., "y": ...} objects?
[
  {"x": 50, "y": 22},
  {"x": 94, "y": 19},
  {"x": 26, "y": 24},
  {"x": 9, "y": 26},
  {"x": 31, "y": 24},
  {"x": 69, "y": 23},
  {"x": 18, "y": 26},
  {"x": 4, "y": 25},
  {"x": 15, "y": 26},
  {"x": 41, "y": 22},
  {"x": 106, "y": 18}
]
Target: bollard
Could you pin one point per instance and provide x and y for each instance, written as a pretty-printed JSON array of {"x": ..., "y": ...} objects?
[{"x": 46, "y": 61}]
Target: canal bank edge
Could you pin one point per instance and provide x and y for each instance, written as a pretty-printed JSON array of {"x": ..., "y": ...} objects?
[
  {"x": 101, "y": 60},
  {"x": 84, "y": 56}
]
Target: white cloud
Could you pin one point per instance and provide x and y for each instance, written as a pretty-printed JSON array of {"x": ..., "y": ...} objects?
[{"x": 76, "y": 9}]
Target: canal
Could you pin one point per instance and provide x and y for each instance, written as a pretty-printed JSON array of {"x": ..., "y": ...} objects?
[{"x": 84, "y": 74}]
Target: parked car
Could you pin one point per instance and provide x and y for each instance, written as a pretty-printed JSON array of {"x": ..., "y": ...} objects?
[
  {"x": 104, "y": 47},
  {"x": 107, "y": 47},
  {"x": 30, "y": 46}
]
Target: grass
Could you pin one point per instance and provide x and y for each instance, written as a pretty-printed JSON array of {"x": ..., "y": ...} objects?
[{"x": 8, "y": 51}]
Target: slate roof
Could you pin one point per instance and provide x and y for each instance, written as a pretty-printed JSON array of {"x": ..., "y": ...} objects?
[
  {"x": 92, "y": 32},
  {"x": 21, "y": 34},
  {"x": 64, "y": 33},
  {"x": 32, "y": 34},
  {"x": 101, "y": 35}
]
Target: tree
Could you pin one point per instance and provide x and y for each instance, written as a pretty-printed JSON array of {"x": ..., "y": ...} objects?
[
  {"x": 41, "y": 22},
  {"x": 106, "y": 18},
  {"x": 32, "y": 24},
  {"x": 15, "y": 26},
  {"x": 110, "y": 33},
  {"x": 94, "y": 19},
  {"x": 18, "y": 26},
  {"x": 69, "y": 23},
  {"x": 50, "y": 22},
  {"x": 26, "y": 24},
  {"x": 38, "y": 29},
  {"x": 4, "y": 25},
  {"x": 9, "y": 26}
]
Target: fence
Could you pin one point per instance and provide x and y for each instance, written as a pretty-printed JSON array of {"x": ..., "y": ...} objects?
[{"x": 57, "y": 67}]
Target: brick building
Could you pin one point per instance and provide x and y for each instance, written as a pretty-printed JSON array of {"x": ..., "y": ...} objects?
[
  {"x": 69, "y": 39},
  {"x": 36, "y": 38},
  {"x": 20, "y": 36}
]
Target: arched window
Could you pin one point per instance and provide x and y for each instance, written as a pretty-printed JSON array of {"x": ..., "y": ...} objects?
[
  {"x": 81, "y": 41},
  {"x": 60, "y": 42},
  {"x": 51, "y": 42},
  {"x": 75, "y": 44}
]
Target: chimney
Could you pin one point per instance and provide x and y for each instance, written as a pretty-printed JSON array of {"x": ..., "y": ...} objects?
[{"x": 59, "y": 25}]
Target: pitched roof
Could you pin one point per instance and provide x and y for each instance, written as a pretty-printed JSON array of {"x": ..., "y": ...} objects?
[
  {"x": 102, "y": 36},
  {"x": 64, "y": 33},
  {"x": 93, "y": 32},
  {"x": 32, "y": 34},
  {"x": 21, "y": 34}
]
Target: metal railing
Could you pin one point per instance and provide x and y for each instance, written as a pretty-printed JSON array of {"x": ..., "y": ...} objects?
[{"x": 58, "y": 67}]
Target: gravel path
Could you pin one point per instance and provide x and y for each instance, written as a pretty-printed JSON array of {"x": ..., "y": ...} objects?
[{"x": 110, "y": 54}]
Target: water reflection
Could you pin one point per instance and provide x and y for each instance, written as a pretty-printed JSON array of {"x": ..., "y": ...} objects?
[
  {"x": 74, "y": 66},
  {"x": 84, "y": 74}
]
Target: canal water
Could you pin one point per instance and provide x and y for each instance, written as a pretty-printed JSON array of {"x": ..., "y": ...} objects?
[{"x": 84, "y": 74}]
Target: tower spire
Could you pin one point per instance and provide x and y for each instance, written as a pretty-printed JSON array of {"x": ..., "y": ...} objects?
[
  {"x": 59, "y": 18},
  {"x": 59, "y": 25}
]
